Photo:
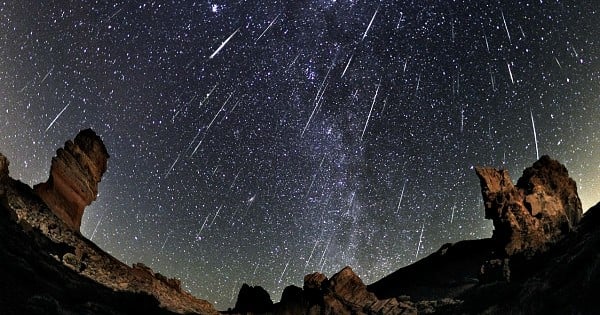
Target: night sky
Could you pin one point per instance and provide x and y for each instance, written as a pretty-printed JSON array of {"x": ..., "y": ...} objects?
[{"x": 259, "y": 141}]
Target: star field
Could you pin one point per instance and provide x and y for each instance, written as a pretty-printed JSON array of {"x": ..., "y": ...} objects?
[{"x": 259, "y": 141}]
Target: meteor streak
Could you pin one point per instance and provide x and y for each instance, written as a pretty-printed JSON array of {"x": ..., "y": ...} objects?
[{"x": 223, "y": 44}]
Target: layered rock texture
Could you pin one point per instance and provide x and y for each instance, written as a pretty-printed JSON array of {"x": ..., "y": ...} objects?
[
  {"x": 74, "y": 176},
  {"x": 538, "y": 211},
  {"x": 542, "y": 258},
  {"x": 48, "y": 267}
]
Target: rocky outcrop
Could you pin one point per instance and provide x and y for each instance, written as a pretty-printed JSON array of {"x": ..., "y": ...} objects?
[
  {"x": 344, "y": 293},
  {"x": 538, "y": 211},
  {"x": 74, "y": 176},
  {"x": 538, "y": 256},
  {"x": 48, "y": 268},
  {"x": 253, "y": 300}
]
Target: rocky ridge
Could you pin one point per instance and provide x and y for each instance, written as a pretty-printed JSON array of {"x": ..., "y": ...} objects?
[
  {"x": 42, "y": 215},
  {"x": 537, "y": 256}
]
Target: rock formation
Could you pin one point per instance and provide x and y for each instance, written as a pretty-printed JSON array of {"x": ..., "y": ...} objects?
[
  {"x": 538, "y": 211},
  {"x": 47, "y": 268},
  {"x": 74, "y": 176},
  {"x": 541, "y": 252},
  {"x": 542, "y": 257},
  {"x": 253, "y": 300}
]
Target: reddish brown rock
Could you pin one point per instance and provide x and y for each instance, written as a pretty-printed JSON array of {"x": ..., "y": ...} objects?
[
  {"x": 314, "y": 281},
  {"x": 538, "y": 211},
  {"x": 74, "y": 176}
]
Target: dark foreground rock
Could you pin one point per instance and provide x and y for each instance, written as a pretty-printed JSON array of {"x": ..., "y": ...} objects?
[
  {"x": 48, "y": 267},
  {"x": 543, "y": 258},
  {"x": 34, "y": 281}
]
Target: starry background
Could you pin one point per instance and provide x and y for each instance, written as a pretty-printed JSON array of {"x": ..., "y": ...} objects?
[{"x": 258, "y": 141}]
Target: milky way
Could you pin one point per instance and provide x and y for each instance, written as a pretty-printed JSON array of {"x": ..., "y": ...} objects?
[{"x": 258, "y": 141}]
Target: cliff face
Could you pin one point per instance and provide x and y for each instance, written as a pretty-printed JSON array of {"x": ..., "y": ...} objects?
[
  {"x": 63, "y": 268},
  {"x": 74, "y": 176}
]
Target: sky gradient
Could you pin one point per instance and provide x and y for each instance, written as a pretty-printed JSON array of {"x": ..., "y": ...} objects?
[{"x": 259, "y": 141}]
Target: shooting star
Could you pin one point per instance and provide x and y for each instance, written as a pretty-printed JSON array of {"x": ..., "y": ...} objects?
[
  {"x": 506, "y": 27},
  {"x": 47, "y": 75},
  {"x": 318, "y": 97},
  {"x": 420, "y": 241},
  {"x": 114, "y": 14},
  {"x": 452, "y": 217},
  {"x": 370, "y": 111},
  {"x": 216, "y": 215},
  {"x": 492, "y": 80},
  {"x": 292, "y": 63},
  {"x": 209, "y": 94},
  {"x": 347, "y": 65},
  {"x": 537, "y": 152},
  {"x": 163, "y": 244},
  {"x": 487, "y": 45},
  {"x": 522, "y": 33},
  {"x": 57, "y": 116},
  {"x": 256, "y": 268},
  {"x": 203, "y": 225},
  {"x": 574, "y": 51},
  {"x": 401, "y": 196},
  {"x": 284, "y": 269},
  {"x": 370, "y": 23},
  {"x": 234, "y": 179},
  {"x": 172, "y": 165},
  {"x": 96, "y": 228},
  {"x": 325, "y": 251},
  {"x": 558, "y": 62},
  {"x": 210, "y": 124},
  {"x": 462, "y": 120},
  {"x": 268, "y": 27},
  {"x": 510, "y": 73},
  {"x": 311, "y": 254},
  {"x": 418, "y": 83},
  {"x": 223, "y": 44}
]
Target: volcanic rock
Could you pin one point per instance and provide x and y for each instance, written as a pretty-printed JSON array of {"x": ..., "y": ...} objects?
[
  {"x": 253, "y": 300},
  {"x": 542, "y": 259},
  {"x": 74, "y": 176},
  {"x": 538, "y": 211},
  {"x": 47, "y": 267}
]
